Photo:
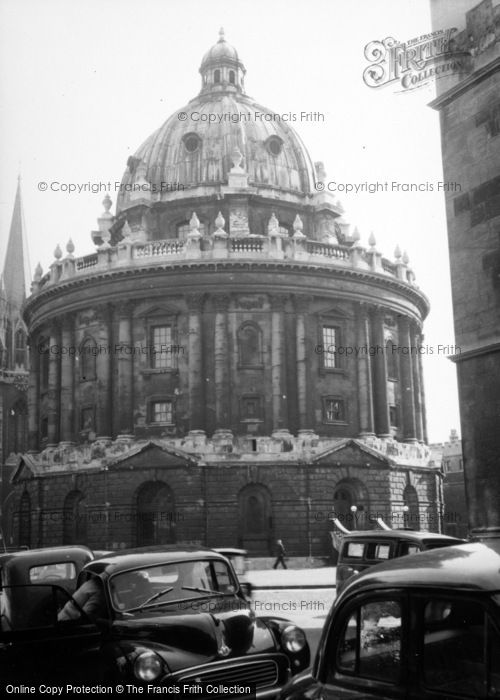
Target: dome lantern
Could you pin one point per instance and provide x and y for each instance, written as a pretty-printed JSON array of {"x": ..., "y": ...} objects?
[{"x": 221, "y": 69}]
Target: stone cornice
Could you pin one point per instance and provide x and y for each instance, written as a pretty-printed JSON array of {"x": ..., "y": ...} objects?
[{"x": 413, "y": 294}]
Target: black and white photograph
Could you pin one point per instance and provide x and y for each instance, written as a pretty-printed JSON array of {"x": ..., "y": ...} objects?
[{"x": 250, "y": 349}]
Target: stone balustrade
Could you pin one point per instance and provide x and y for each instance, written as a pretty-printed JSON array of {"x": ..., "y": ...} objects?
[
  {"x": 306, "y": 446},
  {"x": 209, "y": 248}
]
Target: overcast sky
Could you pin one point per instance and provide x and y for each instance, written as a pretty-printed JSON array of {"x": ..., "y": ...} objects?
[{"x": 83, "y": 83}]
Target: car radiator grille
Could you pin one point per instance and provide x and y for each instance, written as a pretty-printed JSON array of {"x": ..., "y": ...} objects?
[{"x": 262, "y": 674}]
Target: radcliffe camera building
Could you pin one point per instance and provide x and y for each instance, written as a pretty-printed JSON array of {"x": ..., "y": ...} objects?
[{"x": 230, "y": 364}]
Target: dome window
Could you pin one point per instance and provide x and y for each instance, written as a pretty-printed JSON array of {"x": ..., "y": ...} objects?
[
  {"x": 274, "y": 145},
  {"x": 192, "y": 142},
  {"x": 217, "y": 76},
  {"x": 232, "y": 78}
]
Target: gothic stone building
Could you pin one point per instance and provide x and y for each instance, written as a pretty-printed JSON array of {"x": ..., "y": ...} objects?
[
  {"x": 230, "y": 365},
  {"x": 13, "y": 357}
]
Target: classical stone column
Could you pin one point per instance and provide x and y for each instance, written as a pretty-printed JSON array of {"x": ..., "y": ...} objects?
[
  {"x": 123, "y": 352},
  {"x": 278, "y": 369},
  {"x": 379, "y": 374},
  {"x": 422, "y": 393},
  {"x": 221, "y": 360},
  {"x": 195, "y": 357},
  {"x": 301, "y": 306},
  {"x": 417, "y": 382},
  {"x": 406, "y": 380},
  {"x": 67, "y": 415},
  {"x": 364, "y": 372},
  {"x": 104, "y": 367},
  {"x": 54, "y": 388},
  {"x": 33, "y": 394}
]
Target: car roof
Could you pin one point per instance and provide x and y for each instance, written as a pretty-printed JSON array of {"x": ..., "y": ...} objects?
[
  {"x": 231, "y": 551},
  {"x": 46, "y": 555},
  {"x": 149, "y": 556},
  {"x": 473, "y": 567},
  {"x": 411, "y": 535}
]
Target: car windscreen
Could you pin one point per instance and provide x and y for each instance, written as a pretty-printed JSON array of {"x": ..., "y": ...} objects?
[{"x": 171, "y": 582}]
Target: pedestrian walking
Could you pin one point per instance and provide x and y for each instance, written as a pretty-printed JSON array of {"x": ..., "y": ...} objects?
[{"x": 280, "y": 555}]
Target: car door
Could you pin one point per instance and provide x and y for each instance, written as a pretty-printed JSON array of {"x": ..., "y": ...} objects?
[
  {"x": 41, "y": 649},
  {"x": 365, "y": 652},
  {"x": 456, "y": 646}
]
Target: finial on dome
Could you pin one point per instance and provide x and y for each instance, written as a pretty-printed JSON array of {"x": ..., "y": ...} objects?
[
  {"x": 356, "y": 236},
  {"x": 397, "y": 252},
  {"x": 219, "y": 222},
  {"x": 372, "y": 240},
  {"x": 38, "y": 272},
  {"x": 297, "y": 227},
  {"x": 58, "y": 252},
  {"x": 70, "y": 248},
  {"x": 222, "y": 36},
  {"x": 406, "y": 258},
  {"x": 106, "y": 202},
  {"x": 194, "y": 227}
]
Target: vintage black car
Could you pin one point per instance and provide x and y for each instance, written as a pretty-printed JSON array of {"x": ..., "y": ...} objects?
[
  {"x": 26, "y": 579},
  {"x": 360, "y": 549},
  {"x": 419, "y": 627},
  {"x": 164, "y": 615}
]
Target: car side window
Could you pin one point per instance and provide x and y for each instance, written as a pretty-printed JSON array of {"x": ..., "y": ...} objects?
[
  {"x": 222, "y": 575},
  {"x": 460, "y": 648},
  {"x": 408, "y": 548},
  {"x": 370, "y": 643},
  {"x": 354, "y": 550}
]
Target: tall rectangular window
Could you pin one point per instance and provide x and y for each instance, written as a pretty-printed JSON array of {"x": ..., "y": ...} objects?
[
  {"x": 162, "y": 412},
  {"x": 162, "y": 349},
  {"x": 329, "y": 342},
  {"x": 333, "y": 410}
]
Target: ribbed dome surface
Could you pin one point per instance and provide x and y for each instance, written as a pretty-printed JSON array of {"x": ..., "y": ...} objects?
[
  {"x": 219, "y": 51},
  {"x": 195, "y": 147}
]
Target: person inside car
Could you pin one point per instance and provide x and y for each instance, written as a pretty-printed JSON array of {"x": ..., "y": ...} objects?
[{"x": 89, "y": 598}]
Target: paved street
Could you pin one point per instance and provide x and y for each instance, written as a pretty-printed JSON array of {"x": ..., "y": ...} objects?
[{"x": 302, "y": 595}]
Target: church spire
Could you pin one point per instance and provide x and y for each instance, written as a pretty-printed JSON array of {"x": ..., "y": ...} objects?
[{"x": 16, "y": 265}]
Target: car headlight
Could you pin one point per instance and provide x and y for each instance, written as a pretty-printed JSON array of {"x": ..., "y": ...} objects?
[
  {"x": 148, "y": 666},
  {"x": 293, "y": 639}
]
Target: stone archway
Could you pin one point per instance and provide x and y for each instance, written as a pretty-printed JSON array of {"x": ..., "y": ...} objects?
[
  {"x": 255, "y": 519},
  {"x": 155, "y": 508},
  {"x": 348, "y": 494},
  {"x": 412, "y": 515},
  {"x": 74, "y": 519}
]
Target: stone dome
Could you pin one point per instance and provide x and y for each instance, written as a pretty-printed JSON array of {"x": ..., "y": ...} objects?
[
  {"x": 196, "y": 146},
  {"x": 220, "y": 50}
]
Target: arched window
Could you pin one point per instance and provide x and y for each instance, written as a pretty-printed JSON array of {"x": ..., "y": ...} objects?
[
  {"x": 217, "y": 76},
  {"x": 20, "y": 348},
  {"x": 88, "y": 360},
  {"x": 18, "y": 427},
  {"x": 255, "y": 515},
  {"x": 232, "y": 78},
  {"x": 74, "y": 519},
  {"x": 391, "y": 358},
  {"x": 249, "y": 345},
  {"x": 25, "y": 520},
  {"x": 155, "y": 514},
  {"x": 412, "y": 515}
]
